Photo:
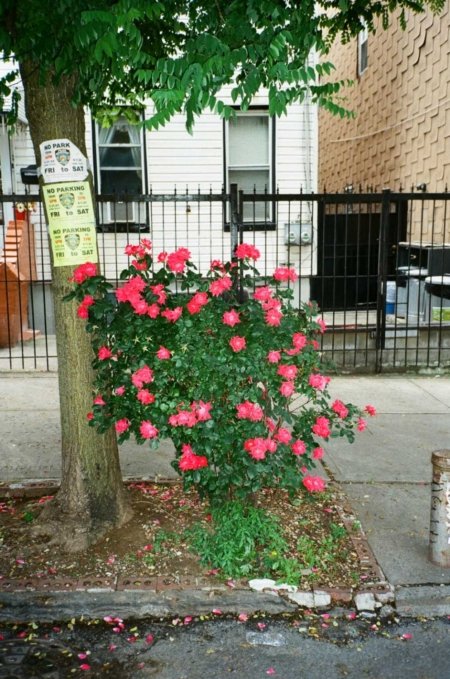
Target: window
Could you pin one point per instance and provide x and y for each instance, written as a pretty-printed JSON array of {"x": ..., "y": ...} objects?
[
  {"x": 249, "y": 160},
  {"x": 363, "y": 39},
  {"x": 120, "y": 158}
]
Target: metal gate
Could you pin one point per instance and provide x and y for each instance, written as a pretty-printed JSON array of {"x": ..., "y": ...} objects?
[{"x": 377, "y": 263}]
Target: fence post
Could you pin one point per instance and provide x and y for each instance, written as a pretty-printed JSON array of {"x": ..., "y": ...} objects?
[
  {"x": 382, "y": 276},
  {"x": 234, "y": 218},
  {"x": 439, "y": 547}
]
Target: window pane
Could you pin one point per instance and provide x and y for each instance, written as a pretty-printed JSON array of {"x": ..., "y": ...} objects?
[
  {"x": 249, "y": 140},
  {"x": 121, "y": 132},
  {"x": 250, "y": 181},
  {"x": 121, "y": 181},
  {"x": 120, "y": 157}
]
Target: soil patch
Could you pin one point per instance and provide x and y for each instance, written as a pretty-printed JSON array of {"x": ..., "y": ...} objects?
[{"x": 155, "y": 543}]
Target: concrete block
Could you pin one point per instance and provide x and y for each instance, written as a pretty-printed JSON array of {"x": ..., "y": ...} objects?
[{"x": 365, "y": 601}]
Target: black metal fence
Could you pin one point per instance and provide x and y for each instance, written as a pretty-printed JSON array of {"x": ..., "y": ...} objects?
[{"x": 378, "y": 264}]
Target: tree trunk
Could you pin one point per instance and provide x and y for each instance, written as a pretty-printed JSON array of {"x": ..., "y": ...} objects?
[{"x": 91, "y": 498}]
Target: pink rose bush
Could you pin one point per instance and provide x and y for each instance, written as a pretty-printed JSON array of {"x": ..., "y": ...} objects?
[{"x": 216, "y": 374}]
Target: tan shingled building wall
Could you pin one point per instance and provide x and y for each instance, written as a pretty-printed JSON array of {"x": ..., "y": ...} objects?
[{"x": 401, "y": 134}]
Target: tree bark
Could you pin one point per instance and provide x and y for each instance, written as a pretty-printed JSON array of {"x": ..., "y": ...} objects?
[{"x": 91, "y": 498}]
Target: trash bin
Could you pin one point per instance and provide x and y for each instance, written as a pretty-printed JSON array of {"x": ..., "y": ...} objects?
[
  {"x": 437, "y": 299},
  {"x": 410, "y": 293}
]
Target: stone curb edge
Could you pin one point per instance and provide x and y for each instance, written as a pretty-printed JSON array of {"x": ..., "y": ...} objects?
[{"x": 370, "y": 597}]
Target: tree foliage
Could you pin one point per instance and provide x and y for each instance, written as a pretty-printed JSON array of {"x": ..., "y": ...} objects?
[{"x": 181, "y": 53}]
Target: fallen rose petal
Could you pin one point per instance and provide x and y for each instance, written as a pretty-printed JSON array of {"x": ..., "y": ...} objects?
[
  {"x": 82, "y": 656},
  {"x": 230, "y": 583},
  {"x": 187, "y": 619},
  {"x": 149, "y": 638},
  {"x": 261, "y": 626},
  {"x": 213, "y": 571},
  {"x": 407, "y": 636},
  {"x": 112, "y": 647},
  {"x": 351, "y": 616},
  {"x": 243, "y": 617},
  {"x": 271, "y": 670},
  {"x": 217, "y": 611},
  {"x": 148, "y": 548},
  {"x": 85, "y": 666}
]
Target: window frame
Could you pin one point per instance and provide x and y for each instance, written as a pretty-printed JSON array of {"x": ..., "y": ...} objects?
[
  {"x": 250, "y": 224},
  {"x": 109, "y": 220},
  {"x": 363, "y": 50}
]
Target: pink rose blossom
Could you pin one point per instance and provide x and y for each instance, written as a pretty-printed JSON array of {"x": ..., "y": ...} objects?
[
  {"x": 256, "y": 448},
  {"x": 176, "y": 261},
  {"x": 318, "y": 381},
  {"x": 162, "y": 257},
  {"x": 122, "y": 425},
  {"x": 322, "y": 427},
  {"x": 98, "y": 400},
  {"x": 104, "y": 353},
  {"x": 159, "y": 292},
  {"x": 231, "y": 318},
  {"x": 283, "y": 435},
  {"x": 153, "y": 310},
  {"x": 298, "y": 447},
  {"x": 82, "y": 312},
  {"x": 220, "y": 285},
  {"x": 370, "y": 410},
  {"x": 139, "y": 265},
  {"x": 197, "y": 302},
  {"x": 273, "y": 317},
  {"x": 90, "y": 416},
  {"x": 299, "y": 340},
  {"x": 284, "y": 273},
  {"x": 142, "y": 376},
  {"x": 119, "y": 391},
  {"x": 340, "y": 409},
  {"x": 322, "y": 324},
  {"x": 237, "y": 343},
  {"x": 274, "y": 356},
  {"x": 289, "y": 372},
  {"x": 262, "y": 294},
  {"x": 201, "y": 410},
  {"x": 318, "y": 453},
  {"x": 249, "y": 411},
  {"x": 287, "y": 389},
  {"x": 145, "y": 397},
  {"x": 216, "y": 264},
  {"x": 190, "y": 461},
  {"x": 315, "y": 484},
  {"x": 184, "y": 418},
  {"x": 163, "y": 354},
  {"x": 362, "y": 424},
  {"x": 148, "y": 430},
  {"x": 83, "y": 271},
  {"x": 172, "y": 315},
  {"x": 247, "y": 251}
]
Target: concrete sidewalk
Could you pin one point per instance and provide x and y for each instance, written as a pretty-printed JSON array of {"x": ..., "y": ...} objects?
[{"x": 386, "y": 474}]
